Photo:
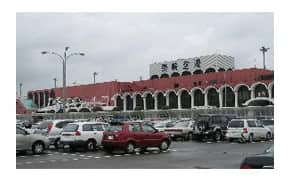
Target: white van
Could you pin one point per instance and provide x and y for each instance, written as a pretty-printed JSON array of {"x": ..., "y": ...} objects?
[{"x": 247, "y": 130}]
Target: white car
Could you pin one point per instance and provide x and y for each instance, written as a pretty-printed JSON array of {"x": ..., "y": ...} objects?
[
  {"x": 247, "y": 130},
  {"x": 269, "y": 123},
  {"x": 182, "y": 129},
  {"x": 83, "y": 134},
  {"x": 162, "y": 125}
]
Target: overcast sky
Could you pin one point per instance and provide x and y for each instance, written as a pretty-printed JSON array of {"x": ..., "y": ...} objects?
[{"x": 122, "y": 45}]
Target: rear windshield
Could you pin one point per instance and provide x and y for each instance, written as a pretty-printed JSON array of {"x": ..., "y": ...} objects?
[
  {"x": 115, "y": 128},
  {"x": 236, "y": 124},
  {"x": 44, "y": 125},
  {"x": 70, "y": 128},
  {"x": 182, "y": 124},
  {"x": 268, "y": 122}
]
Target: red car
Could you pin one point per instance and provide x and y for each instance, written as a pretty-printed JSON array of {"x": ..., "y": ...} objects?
[{"x": 131, "y": 135}]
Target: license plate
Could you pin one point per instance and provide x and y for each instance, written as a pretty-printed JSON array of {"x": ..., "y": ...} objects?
[{"x": 110, "y": 137}]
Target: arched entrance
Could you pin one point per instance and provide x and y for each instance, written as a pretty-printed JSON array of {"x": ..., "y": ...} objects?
[
  {"x": 213, "y": 97},
  {"x": 221, "y": 69},
  {"x": 175, "y": 74},
  {"x": 228, "y": 97},
  {"x": 198, "y": 98},
  {"x": 139, "y": 101},
  {"x": 185, "y": 100},
  {"x": 198, "y": 71},
  {"x": 244, "y": 95},
  {"x": 173, "y": 100},
  {"x": 261, "y": 91},
  {"x": 164, "y": 76},
  {"x": 149, "y": 101},
  {"x": 119, "y": 102},
  {"x": 209, "y": 70},
  {"x": 186, "y": 73},
  {"x": 129, "y": 102},
  {"x": 154, "y": 77},
  {"x": 161, "y": 100}
]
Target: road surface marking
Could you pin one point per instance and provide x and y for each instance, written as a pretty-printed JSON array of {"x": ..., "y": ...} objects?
[{"x": 97, "y": 157}]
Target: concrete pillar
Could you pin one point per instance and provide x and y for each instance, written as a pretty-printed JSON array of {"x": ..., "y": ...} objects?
[
  {"x": 144, "y": 103},
  {"x": 124, "y": 104},
  {"x": 192, "y": 100},
  {"x": 134, "y": 102},
  {"x": 205, "y": 100},
  {"x": 115, "y": 101},
  {"x": 44, "y": 103},
  {"x": 179, "y": 100},
  {"x": 167, "y": 99},
  {"x": 236, "y": 99},
  {"x": 221, "y": 99},
  {"x": 155, "y": 102},
  {"x": 33, "y": 98},
  {"x": 269, "y": 93},
  {"x": 38, "y": 99},
  {"x": 252, "y": 93}
]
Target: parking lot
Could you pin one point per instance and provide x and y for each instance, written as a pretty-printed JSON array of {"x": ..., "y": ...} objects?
[{"x": 180, "y": 155}]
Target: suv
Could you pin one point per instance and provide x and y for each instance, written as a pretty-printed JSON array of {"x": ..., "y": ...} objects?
[
  {"x": 182, "y": 129},
  {"x": 269, "y": 123},
  {"x": 131, "y": 135},
  {"x": 247, "y": 130},
  {"x": 52, "y": 129},
  {"x": 212, "y": 126},
  {"x": 83, "y": 134}
]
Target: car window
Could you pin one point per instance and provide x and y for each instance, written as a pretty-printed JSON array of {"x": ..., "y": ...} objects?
[
  {"x": 182, "y": 124},
  {"x": 252, "y": 124},
  {"x": 115, "y": 128},
  {"x": 62, "y": 124},
  {"x": 134, "y": 127},
  {"x": 97, "y": 127},
  {"x": 259, "y": 124},
  {"x": 20, "y": 131},
  {"x": 44, "y": 124},
  {"x": 70, "y": 128},
  {"x": 147, "y": 128},
  {"x": 87, "y": 127},
  {"x": 236, "y": 124},
  {"x": 268, "y": 122}
]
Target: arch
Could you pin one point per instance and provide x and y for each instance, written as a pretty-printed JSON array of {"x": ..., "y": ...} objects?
[
  {"x": 198, "y": 97},
  {"x": 194, "y": 89},
  {"x": 228, "y": 96},
  {"x": 221, "y": 70},
  {"x": 175, "y": 74},
  {"x": 173, "y": 100},
  {"x": 212, "y": 97},
  {"x": 129, "y": 102},
  {"x": 154, "y": 77},
  {"x": 209, "y": 70},
  {"x": 230, "y": 69},
  {"x": 149, "y": 101},
  {"x": 260, "y": 90},
  {"x": 139, "y": 101},
  {"x": 259, "y": 101},
  {"x": 185, "y": 99},
  {"x": 198, "y": 71},
  {"x": 236, "y": 88},
  {"x": 164, "y": 76},
  {"x": 119, "y": 102},
  {"x": 244, "y": 94},
  {"x": 161, "y": 100},
  {"x": 186, "y": 73},
  {"x": 271, "y": 89},
  {"x": 181, "y": 90},
  {"x": 209, "y": 87},
  {"x": 144, "y": 95}
]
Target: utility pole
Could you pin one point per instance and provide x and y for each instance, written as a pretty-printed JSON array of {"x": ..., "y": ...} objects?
[
  {"x": 95, "y": 74},
  {"x": 54, "y": 82},
  {"x": 20, "y": 87},
  {"x": 264, "y": 50}
]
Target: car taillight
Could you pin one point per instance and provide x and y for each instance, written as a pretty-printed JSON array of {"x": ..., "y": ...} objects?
[
  {"x": 49, "y": 127},
  {"x": 245, "y": 130},
  {"x": 78, "y": 133},
  {"x": 246, "y": 166}
]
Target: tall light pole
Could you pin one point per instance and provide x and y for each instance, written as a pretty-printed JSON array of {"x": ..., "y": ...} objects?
[
  {"x": 264, "y": 50},
  {"x": 95, "y": 74},
  {"x": 20, "y": 87},
  {"x": 63, "y": 58},
  {"x": 54, "y": 82}
]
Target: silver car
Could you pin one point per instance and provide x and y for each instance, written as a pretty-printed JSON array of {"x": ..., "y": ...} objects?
[{"x": 30, "y": 142}]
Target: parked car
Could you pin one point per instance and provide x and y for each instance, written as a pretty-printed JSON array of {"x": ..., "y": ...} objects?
[
  {"x": 52, "y": 129},
  {"x": 83, "y": 134},
  {"x": 182, "y": 129},
  {"x": 264, "y": 160},
  {"x": 247, "y": 130},
  {"x": 130, "y": 135},
  {"x": 162, "y": 125},
  {"x": 212, "y": 126},
  {"x": 269, "y": 123},
  {"x": 34, "y": 142}
]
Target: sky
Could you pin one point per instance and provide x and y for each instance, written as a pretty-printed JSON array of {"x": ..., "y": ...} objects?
[{"x": 121, "y": 46}]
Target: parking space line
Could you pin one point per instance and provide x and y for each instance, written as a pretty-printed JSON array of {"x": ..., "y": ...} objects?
[
  {"x": 97, "y": 157},
  {"x": 42, "y": 161},
  {"x": 52, "y": 160},
  {"x": 28, "y": 162},
  {"x": 36, "y": 155},
  {"x": 75, "y": 159},
  {"x": 89, "y": 156},
  {"x": 117, "y": 155},
  {"x": 107, "y": 156},
  {"x": 127, "y": 154}
]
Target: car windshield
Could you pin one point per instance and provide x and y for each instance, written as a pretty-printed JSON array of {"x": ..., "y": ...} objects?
[
  {"x": 114, "y": 128},
  {"x": 70, "y": 128},
  {"x": 268, "y": 122},
  {"x": 182, "y": 124},
  {"x": 236, "y": 124},
  {"x": 44, "y": 125}
]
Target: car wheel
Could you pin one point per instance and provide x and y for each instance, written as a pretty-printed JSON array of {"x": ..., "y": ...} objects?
[
  {"x": 130, "y": 147},
  {"x": 251, "y": 138},
  {"x": 217, "y": 136},
  {"x": 231, "y": 139},
  {"x": 38, "y": 147},
  {"x": 164, "y": 145},
  {"x": 57, "y": 143},
  {"x": 91, "y": 145},
  {"x": 268, "y": 136}
]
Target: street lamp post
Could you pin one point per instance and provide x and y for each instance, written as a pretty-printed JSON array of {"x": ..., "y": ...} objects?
[
  {"x": 54, "y": 82},
  {"x": 95, "y": 74},
  {"x": 63, "y": 58},
  {"x": 264, "y": 50},
  {"x": 20, "y": 87}
]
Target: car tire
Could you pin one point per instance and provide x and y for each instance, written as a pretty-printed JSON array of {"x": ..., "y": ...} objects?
[
  {"x": 231, "y": 139},
  {"x": 57, "y": 143},
  {"x": 164, "y": 145},
  {"x": 268, "y": 136},
  {"x": 38, "y": 147},
  {"x": 130, "y": 148},
  {"x": 91, "y": 145},
  {"x": 217, "y": 135},
  {"x": 251, "y": 138}
]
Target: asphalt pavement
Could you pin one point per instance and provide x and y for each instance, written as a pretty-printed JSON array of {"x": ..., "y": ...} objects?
[{"x": 181, "y": 155}]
